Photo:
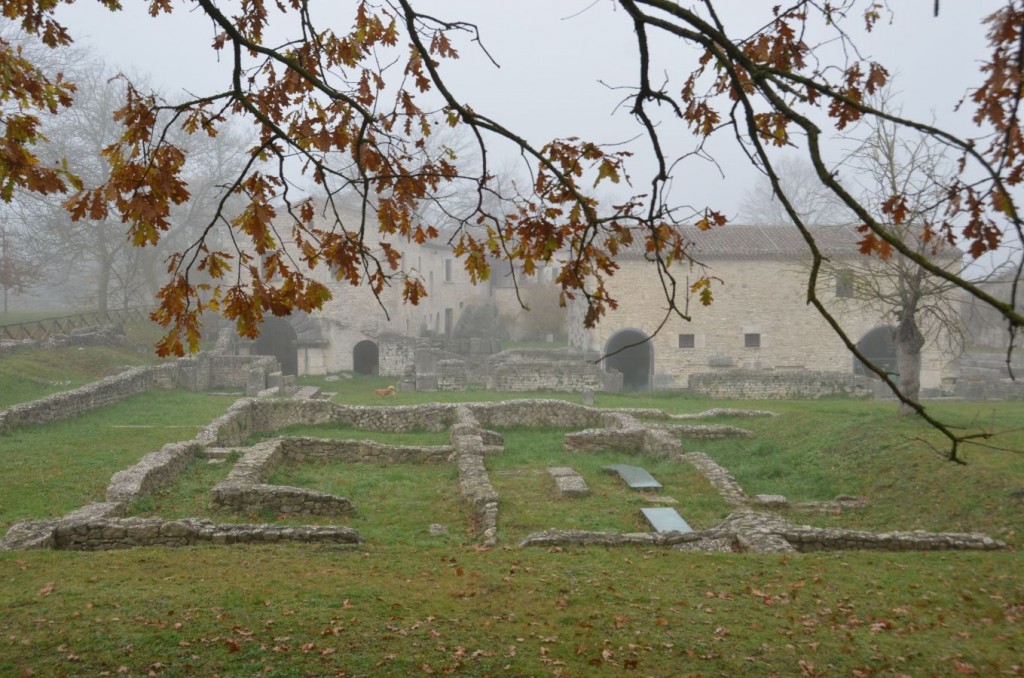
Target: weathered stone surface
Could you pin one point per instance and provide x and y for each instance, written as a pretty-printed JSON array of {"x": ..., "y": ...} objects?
[
  {"x": 771, "y": 501},
  {"x": 197, "y": 373},
  {"x": 305, "y": 450},
  {"x": 30, "y": 534},
  {"x": 707, "y": 546},
  {"x": 157, "y": 469},
  {"x": 755, "y": 384},
  {"x": 706, "y": 431},
  {"x": 121, "y": 533},
  {"x": 719, "y": 478},
  {"x": 724, "y": 412},
  {"x": 281, "y": 500},
  {"x": 568, "y": 482},
  {"x": 474, "y": 482},
  {"x": 556, "y": 537}
]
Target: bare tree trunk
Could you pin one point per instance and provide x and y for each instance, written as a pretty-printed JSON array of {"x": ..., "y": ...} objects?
[
  {"x": 102, "y": 287},
  {"x": 909, "y": 342}
]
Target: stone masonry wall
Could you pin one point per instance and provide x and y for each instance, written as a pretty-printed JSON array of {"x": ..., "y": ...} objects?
[
  {"x": 254, "y": 416},
  {"x": 122, "y": 533},
  {"x": 244, "y": 490},
  {"x": 759, "y": 296},
  {"x": 195, "y": 373},
  {"x": 395, "y": 353},
  {"x": 565, "y": 376},
  {"x": 155, "y": 470},
  {"x": 302, "y": 450},
  {"x": 771, "y": 385},
  {"x": 89, "y": 397}
]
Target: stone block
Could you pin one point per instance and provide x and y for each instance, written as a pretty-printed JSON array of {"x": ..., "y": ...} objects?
[
  {"x": 426, "y": 382},
  {"x": 588, "y": 397},
  {"x": 255, "y": 381},
  {"x": 426, "y": 361},
  {"x": 771, "y": 500}
]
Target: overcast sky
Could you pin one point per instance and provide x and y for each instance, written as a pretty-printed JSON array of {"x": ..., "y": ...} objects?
[{"x": 559, "y": 62}]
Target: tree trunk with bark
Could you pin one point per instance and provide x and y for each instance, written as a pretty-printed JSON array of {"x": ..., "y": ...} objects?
[{"x": 909, "y": 342}]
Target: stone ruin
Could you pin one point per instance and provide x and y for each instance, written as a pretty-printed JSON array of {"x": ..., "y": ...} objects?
[{"x": 753, "y": 526}]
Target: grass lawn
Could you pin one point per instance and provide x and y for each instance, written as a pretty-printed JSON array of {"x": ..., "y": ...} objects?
[
  {"x": 530, "y": 502},
  {"x": 29, "y": 374},
  {"x": 408, "y": 602},
  {"x": 46, "y": 471}
]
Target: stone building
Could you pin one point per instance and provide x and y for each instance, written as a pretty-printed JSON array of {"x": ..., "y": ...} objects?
[
  {"x": 759, "y": 322},
  {"x": 355, "y": 331}
]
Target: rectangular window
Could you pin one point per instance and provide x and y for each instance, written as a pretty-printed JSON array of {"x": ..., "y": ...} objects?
[
  {"x": 751, "y": 340},
  {"x": 447, "y": 270},
  {"x": 844, "y": 284},
  {"x": 686, "y": 341}
]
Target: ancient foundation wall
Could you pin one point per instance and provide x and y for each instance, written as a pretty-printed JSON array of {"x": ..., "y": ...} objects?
[
  {"x": 195, "y": 374},
  {"x": 89, "y": 397},
  {"x": 777, "y": 385}
]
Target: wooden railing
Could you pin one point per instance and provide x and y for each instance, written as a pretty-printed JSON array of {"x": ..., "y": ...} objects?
[{"x": 40, "y": 329}]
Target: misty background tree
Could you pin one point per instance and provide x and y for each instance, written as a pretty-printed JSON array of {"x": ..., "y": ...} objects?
[
  {"x": 91, "y": 262},
  {"x": 19, "y": 266},
  {"x": 884, "y": 161}
]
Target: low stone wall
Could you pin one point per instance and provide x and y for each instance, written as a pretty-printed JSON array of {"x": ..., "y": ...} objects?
[
  {"x": 197, "y": 373},
  {"x": 545, "y": 375},
  {"x": 250, "y": 417},
  {"x": 125, "y": 533},
  {"x": 92, "y": 396},
  {"x": 454, "y": 368},
  {"x": 155, "y": 470},
  {"x": 302, "y": 450},
  {"x": 244, "y": 489},
  {"x": 705, "y": 431},
  {"x": 537, "y": 412},
  {"x": 736, "y": 384},
  {"x": 660, "y": 441},
  {"x": 555, "y": 537},
  {"x": 474, "y": 482},
  {"x": 720, "y": 479},
  {"x": 281, "y": 500}
]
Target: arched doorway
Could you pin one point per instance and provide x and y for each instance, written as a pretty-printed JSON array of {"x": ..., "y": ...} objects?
[
  {"x": 878, "y": 347},
  {"x": 366, "y": 357},
  {"x": 635, "y": 362},
  {"x": 277, "y": 338}
]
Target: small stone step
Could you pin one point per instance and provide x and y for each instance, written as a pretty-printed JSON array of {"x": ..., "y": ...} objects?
[
  {"x": 634, "y": 476},
  {"x": 569, "y": 483},
  {"x": 308, "y": 392},
  {"x": 218, "y": 452},
  {"x": 664, "y": 519}
]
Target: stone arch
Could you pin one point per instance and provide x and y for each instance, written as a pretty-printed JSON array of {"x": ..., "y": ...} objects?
[
  {"x": 878, "y": 346},
  {"x": 366, "y": 357},
  {"x": 279, "y": 339},
  {"x": 633, "y": 356}
]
